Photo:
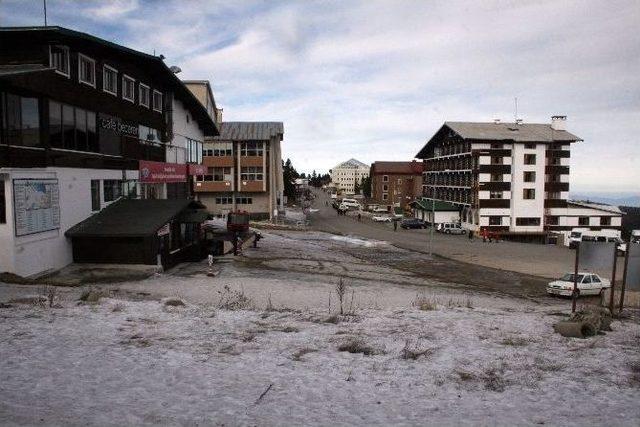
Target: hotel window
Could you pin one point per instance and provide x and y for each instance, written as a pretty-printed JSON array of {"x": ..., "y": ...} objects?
[
  {"x": 523, "y": 222},
  {"x": 224, "y": 200},
  {"x": 112, "y": 189},
  {"x": 128, "y": 88},
  {"x": 3, "y": 204},
  {"x": 496, "y": 177},
  {"x": 157, "y": 101},
  {"x": 110, "y": 80},
  {"x": 529, "y": 159},
  {"x": 251, "y": 149},
  {"x": 244, "y": 200},
  {"x": 72, "y": 128},
  {"x": 144, "y": 95},
  {"x": 583, "y": 220},
  {"x": 149, "y": 135},
  {"x": 218, "y": 174},
  {"x": 553, "y": 220},
  {"x": 529, "y": 193},
  {"x": 530, "y": 146},
  {"x": 385, "y": 178},
  {"x": 385, "y": 187},
  {"x": 59, "y": 59},
  {"x": 19, "y": 120},
  {"x": 495, "y": 195},
  {"x": 605, "y": 220},
  {"x": 385, "y": 196},
  {"x": 496, "y": 160},
  {"x": 219, "y": 149},
  {"x": 495, "y": 220},
  {"x": 194, "y": 151},
  {"x": 251, "y": 173},
  {"x": 496, "y": 146},
  {"x": 95, "y": 195},
  {"x": 86, "y": 70},
  {"x": 529, "y": 177}
]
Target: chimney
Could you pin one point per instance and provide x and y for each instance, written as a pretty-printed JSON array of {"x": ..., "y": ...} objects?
[{"x": 559, "y": 122}]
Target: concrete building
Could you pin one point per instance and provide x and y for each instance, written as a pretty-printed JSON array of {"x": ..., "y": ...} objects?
[
  {"x": 511, "y": 178},
  {"x": 83, "y": 123},
  {"x": 345, "y": 175},
  {"x": 396, "y": 183},
  {"x": 244, "y": 170}
]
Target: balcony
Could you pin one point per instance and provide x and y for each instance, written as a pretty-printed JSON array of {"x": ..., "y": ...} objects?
[
  {"x": 559, "y": 154},
  {"x": 556, "y": 186},
  {"x": 494, "y": 169},
  {"x": 556, "y": 170},
  {"x": 494, "y": 186},
  {"x": 493, "y": 152},
  {"x": 555, "y": 203},
  {"x": 218, "y": 161},
  {"x": 252, "y": 186},
  {"x": 251, "y": 160},
  {"x": 212, "y": 186}
]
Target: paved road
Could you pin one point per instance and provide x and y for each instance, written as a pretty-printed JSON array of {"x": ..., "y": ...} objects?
[{"x": 547, "y": 261}]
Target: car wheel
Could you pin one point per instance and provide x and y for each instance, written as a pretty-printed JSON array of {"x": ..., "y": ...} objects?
[
  {"x": 464, "y": 231},
  {"x": 601, "y": 293},
  {"x": 447, "y": 232}
]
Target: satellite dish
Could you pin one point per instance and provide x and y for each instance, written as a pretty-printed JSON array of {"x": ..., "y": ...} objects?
[{"x": 175, "y": 69}]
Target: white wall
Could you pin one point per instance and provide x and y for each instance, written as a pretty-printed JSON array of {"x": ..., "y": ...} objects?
[
  {"x": 6, "y": 230},
  {"x": 51, "y": 250},
  {"x": 184, "y": 126},
  {"x": 521, "y": 207}
]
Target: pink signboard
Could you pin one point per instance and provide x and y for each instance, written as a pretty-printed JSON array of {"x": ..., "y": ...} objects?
[
  {"x": 197, "y": 170},
  {"x": 162, "y": 172}
]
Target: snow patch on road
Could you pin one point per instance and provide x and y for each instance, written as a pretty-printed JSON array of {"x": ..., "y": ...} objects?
[{"x": 359, "y": 242}]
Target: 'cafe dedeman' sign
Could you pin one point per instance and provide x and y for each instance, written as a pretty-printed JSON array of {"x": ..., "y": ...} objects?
[{"x": 116, "y": 125}]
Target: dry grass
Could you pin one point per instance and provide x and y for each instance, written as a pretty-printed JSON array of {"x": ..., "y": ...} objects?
[
  {"x": 233, "y": 300},
  {"x": 515, "y": 342},
  {"x": 425, "y": 303},
  {"x": 297, "y": 356},
  {"x": 412, "y": 351},
  {"x": 357, "y": 345}
]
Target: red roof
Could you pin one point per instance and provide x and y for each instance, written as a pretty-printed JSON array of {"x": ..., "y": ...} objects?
[{"x": 400, "y": 168}]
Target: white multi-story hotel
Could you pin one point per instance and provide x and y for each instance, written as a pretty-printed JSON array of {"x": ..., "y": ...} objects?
[
  {"x": 511, "y": 178},
  {"x": 345, "y": 175}
]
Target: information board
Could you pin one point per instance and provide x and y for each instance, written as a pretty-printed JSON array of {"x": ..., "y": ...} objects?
[{"x": 36, "y": 205}]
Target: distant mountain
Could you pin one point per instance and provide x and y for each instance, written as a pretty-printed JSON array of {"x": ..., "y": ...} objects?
[{"x": 614, "y": 199}]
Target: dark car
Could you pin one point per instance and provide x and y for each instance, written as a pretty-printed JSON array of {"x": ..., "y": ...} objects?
[{"x": 412, "y": 223}]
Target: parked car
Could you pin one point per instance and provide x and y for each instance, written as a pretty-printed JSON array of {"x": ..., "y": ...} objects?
[
  {"x": 381, "y": 218},
  {"x": 588, "y": 284},
  {"x": 351, "y": 203},
  {"x": 450, "y": 228},
  {"x": 408, "y": 223},
  {"x": 380, "y": 209}
]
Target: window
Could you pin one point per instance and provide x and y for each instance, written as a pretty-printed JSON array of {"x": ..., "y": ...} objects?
[
  {"x": 59, "y": 59},
  {"x": 194, "y": 151},
  {"x": 529, "y": 177},
  {"x": 496, "y": 177},
  {"x": 19, "y": 120},
  {"x": 529, "y": 194},
  {"x": 583, "y": 220},
  {"x": 72, "y": 128},
  {"x": 144, "y": 95},
  {"x": 95, "y": 195},
  {"x": 495, "y": 220},
  {"x": 86, "y": 70},
  {"x": 157, "y": 101},
  {"x": 527, "y": 222},
  {"x": 110, "y": 80},
  {"x": 530, "y": 146},
  {"x": 553, "y": 220},
  {"x": 251, "y": 149},
  {"x": 228, "y": 200},
  {"x": 112, "y": 189},
  {"x": 496, "y": 160},
  {"x": 251, "y": 173},
  {"x": 217, "y": 174},
  {"x": 3, "y": 204},
  {"x": 529, "y": 159},
  {"x": 218, "y": 149},
  {"x": 385, "y": 178},
  {"x": 605, "y": 220},
  {"x": 150, "y": 135},
  {"x": 244, "y": 200},
  {"x": 496, "y": 146},
  {"x": 385, "y": 187},
  {"x": 495, "y": 195},
  {"x": 385, "y": 196},
  {"x": 587, "y": 279},
  {"x": 130, "y": 189},
  {"x": 128, "y": 88},
  {"x": 595, "y": 279}
]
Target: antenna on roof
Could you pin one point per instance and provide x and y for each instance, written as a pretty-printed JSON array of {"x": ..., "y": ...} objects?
[
  {"x": 44, "y": 3},
  {"x": 515, "y": 115}
]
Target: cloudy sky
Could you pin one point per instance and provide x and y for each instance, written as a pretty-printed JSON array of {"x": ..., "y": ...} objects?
[{"x": 375, "y": 79}]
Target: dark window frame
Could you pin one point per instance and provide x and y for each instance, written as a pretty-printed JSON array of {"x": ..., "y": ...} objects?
[{"x": 96, "y": 201}]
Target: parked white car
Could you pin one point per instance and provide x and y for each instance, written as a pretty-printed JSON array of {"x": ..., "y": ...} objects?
[
  {"x": 381, "y": 218},
  {"x": 450, "y": 228},
  {"x": 588, "y": 284},
  {"x": 380, "y": 209},
  {"x": 351, "y": 203}
]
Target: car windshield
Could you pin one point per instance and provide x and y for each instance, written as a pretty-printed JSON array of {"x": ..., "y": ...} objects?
[
  {"x": 569, "y": 277},
  {"x": 576, "y": 234}
]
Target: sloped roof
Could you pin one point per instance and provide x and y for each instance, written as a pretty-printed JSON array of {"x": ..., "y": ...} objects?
[
  {"x": 14, "y": 70},
  {"x": 132, "y": 218},
  {"x": 249, "y": 131},
  {"x": 352, "y": 163},
  {"x": 524, "y": 132},
  {"x": 438, "y": 206},
  {"x": 598, "y": 206},
  {"x": 406, "y": 168}
]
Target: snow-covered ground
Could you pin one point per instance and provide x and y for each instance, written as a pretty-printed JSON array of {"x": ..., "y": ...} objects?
[{"x": 428, "y": 354}]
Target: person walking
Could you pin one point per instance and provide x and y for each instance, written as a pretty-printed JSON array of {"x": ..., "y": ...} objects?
[
  {"x": 470, "y": 235},
  {"x": 359, "y": 216},
  {"x": 395, "y": 225}
]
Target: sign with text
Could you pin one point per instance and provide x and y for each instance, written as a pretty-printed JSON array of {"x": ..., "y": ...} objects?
[
  {"x": 118, "y": 126},
  {"x": 154, "y": 172},
  {"x": 36, "y": 205},
  {"x": 197, "y": 170}
]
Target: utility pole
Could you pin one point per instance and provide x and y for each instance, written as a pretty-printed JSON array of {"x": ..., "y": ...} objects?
[
  {"x": 433, "y": 222},
  {"x": 44, "y": 2}
]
